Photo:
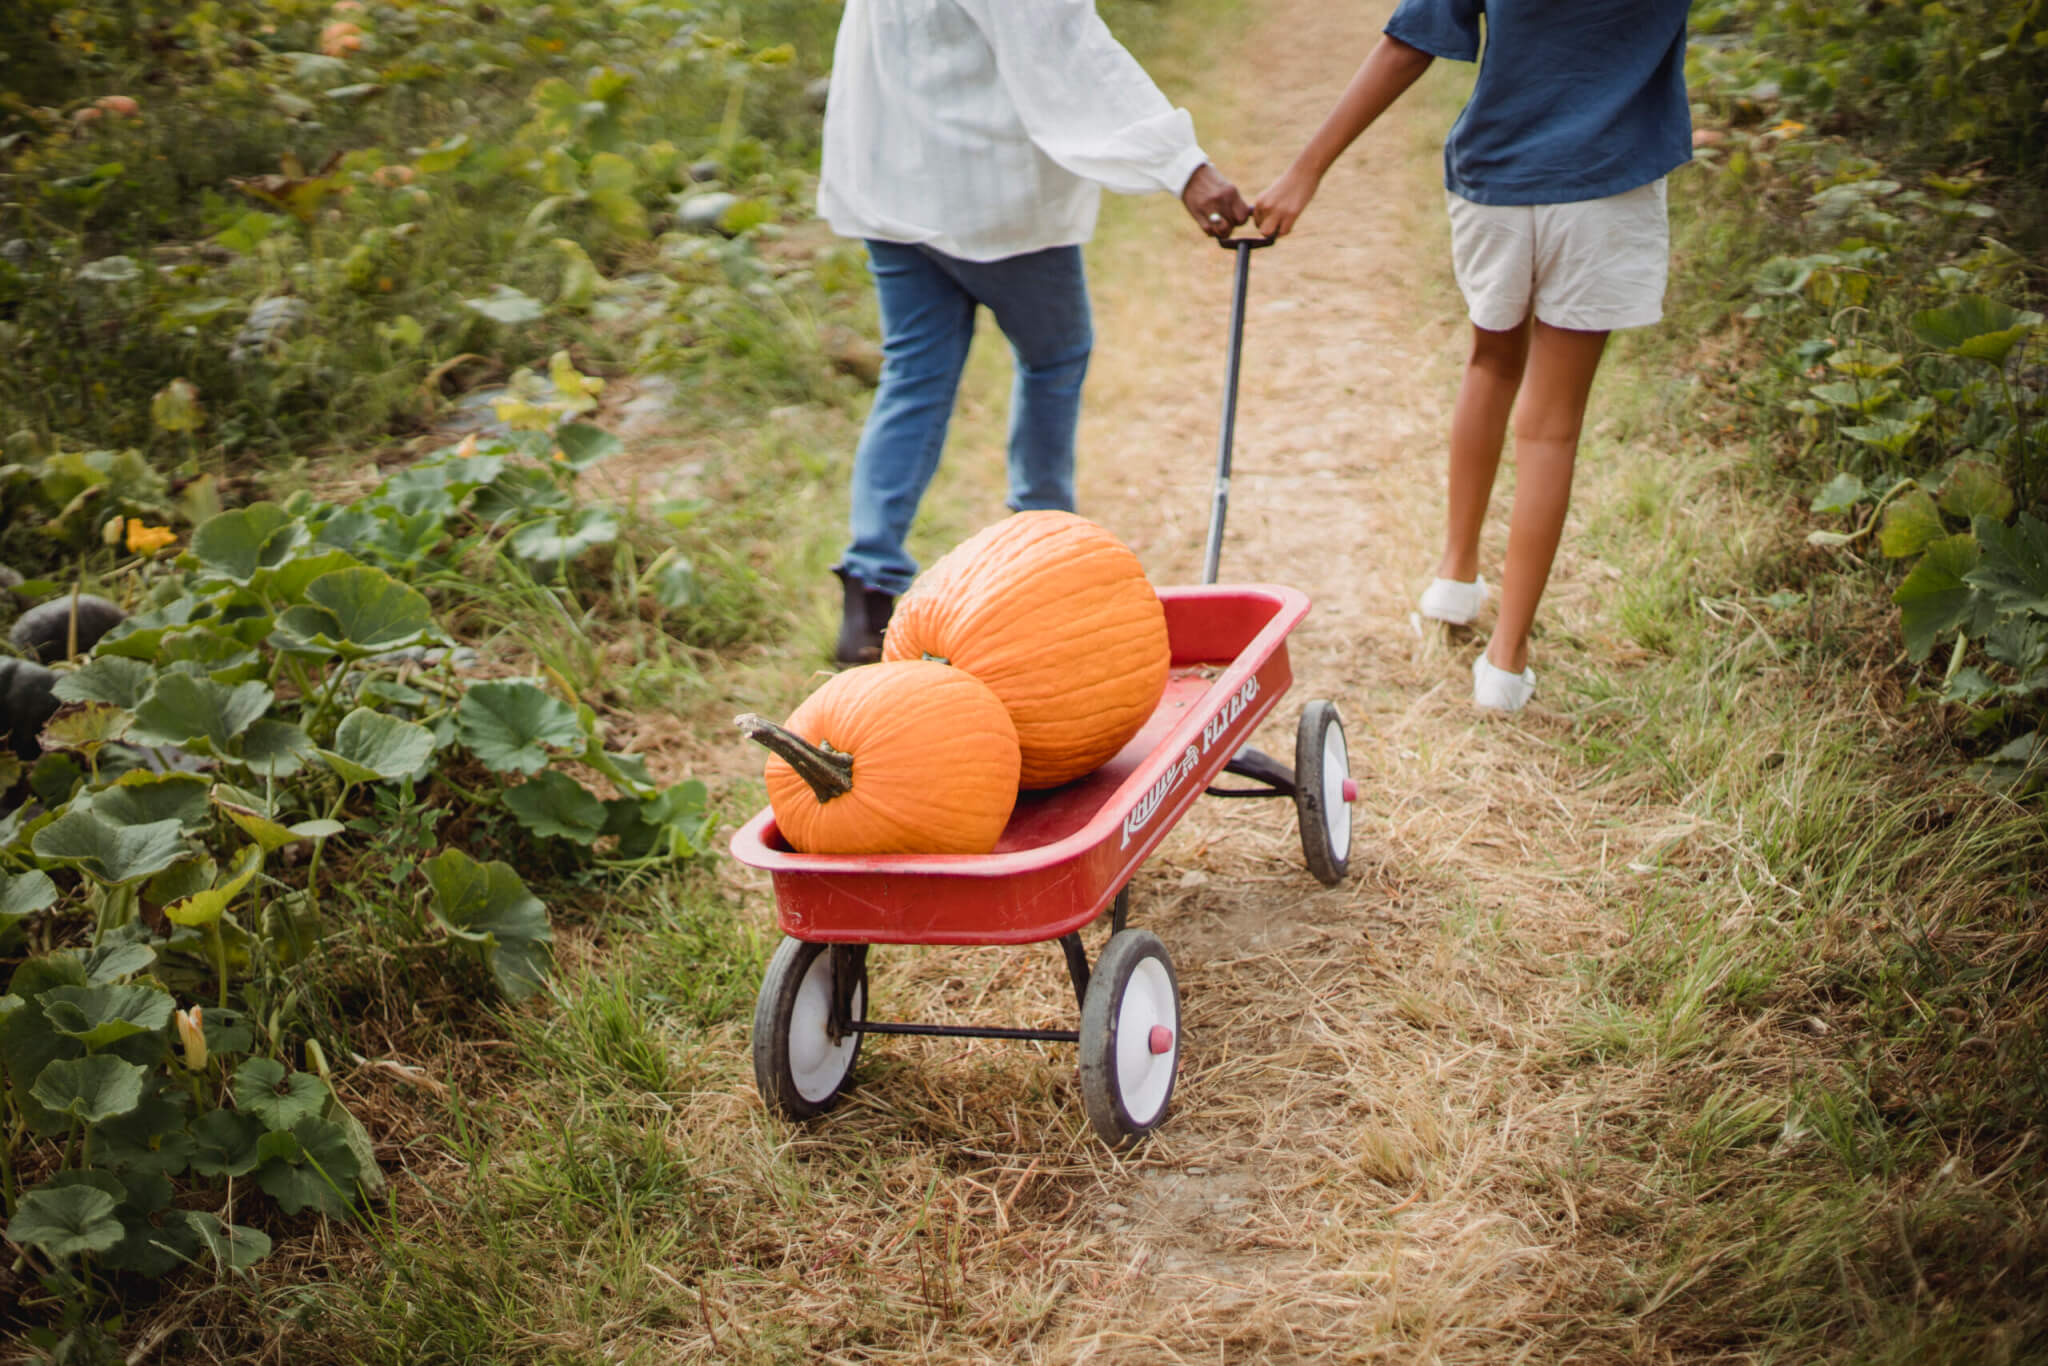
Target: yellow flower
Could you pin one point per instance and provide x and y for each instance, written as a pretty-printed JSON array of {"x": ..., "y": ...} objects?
[
  {"x": 192, "y": 1036},
  {"x": 147, "y": 540},
  {"x": 1789, "y": 128}
]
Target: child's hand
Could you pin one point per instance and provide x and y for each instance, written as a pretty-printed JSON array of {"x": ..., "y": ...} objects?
[{"x": 1284, "y": 201}]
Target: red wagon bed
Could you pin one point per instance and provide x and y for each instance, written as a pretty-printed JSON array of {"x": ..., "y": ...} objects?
[{"x": 1069, "y": 851}]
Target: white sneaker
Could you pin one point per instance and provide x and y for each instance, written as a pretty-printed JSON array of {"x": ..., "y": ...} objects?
[
  {"x": 1454, "y": 603},
  {"x": 1496, "y": 689}
]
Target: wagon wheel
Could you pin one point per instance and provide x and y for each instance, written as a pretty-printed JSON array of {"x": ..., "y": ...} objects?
[
  {"x": 1130, "y": 1038},
  {"x": 801, "y": 1065},
  {"x": 1323, "y": 791}
]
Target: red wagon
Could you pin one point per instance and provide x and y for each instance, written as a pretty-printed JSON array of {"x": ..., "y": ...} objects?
[{"x": 1066, "y": 857}]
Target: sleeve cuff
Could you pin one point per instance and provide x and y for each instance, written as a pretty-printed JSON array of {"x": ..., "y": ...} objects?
[
  {"x": 1183, "y": 169},
  {"x": 1435, "y": 47}
]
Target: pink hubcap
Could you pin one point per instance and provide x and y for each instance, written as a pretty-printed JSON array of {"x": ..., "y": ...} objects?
[
  {"x": 1350, "y": 789},
  {"x": 1161, "y": 1039}
]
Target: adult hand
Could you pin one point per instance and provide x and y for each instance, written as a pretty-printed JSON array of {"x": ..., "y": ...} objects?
[
  {"x": 1214, "y": 202},
  {"x": 1284, "y": 201}
]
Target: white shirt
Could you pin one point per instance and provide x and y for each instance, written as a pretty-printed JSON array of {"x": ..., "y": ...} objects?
[{"x": 983, "y": 128}]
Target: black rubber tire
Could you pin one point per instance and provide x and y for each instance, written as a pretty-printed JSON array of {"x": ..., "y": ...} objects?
[
  {"x": 1103, "y": 1089},
  {"x": 1319, "y": 844},
  {"x": 774, "y": 1010}
]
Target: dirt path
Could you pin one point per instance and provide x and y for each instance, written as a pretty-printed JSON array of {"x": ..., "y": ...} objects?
[{"x": 1369, "y": 1157}]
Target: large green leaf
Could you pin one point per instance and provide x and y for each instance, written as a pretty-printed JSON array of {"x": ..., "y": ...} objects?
[
  {"x": 553, "y": 803},
  {"x": 233, "y": 1247},
  {"x": 1976, "y": 327},
  {"x": 159, "y": 1240},
  {"x": 153, "y": 1136},
  {"x": 515, "y": 727},
  {"x": 22, "y": 895},
  {"x": 288, "y": 582},
  {"x": 112, "y": 960},
  {"x": 1911, "y": 523},
  {"x": 107, "y": 678},
  {"x": 675, "y": 823},
  {"x": 566, "y": 537},
  {"x": 278, "y": 1097},
  {"x": 84, "y": 726},
  {"x": 370, "y": 746},
  {"x": 519, "y": 493},
  {"x": 1936, "y": 597},
  {"x": 438, "y": 486},
  {"x": 237, "y": 544},
  {"x": 109, "y": 852},
  {"x": 90, "y": 1089},
  {"x": 272, "y": 748},
  {"x": 204, "y": 652},
  {"x": 1889, "y": 434},
  {"x": 488, "y": 907},
  {"x": 66, "y": 1220},
  {"x": 28, "y": 1043},
  {"x": 311, "y": 1166},
  {"x": 1975, "y": 489},
  {"x": 224, "y": 1143},
  {"x": 2013, "y": 569},
  {"x": 100, "y": 1015},
  {"x": 183, "y": 710},
  {"x": 583, "y": 445},
  {"x": 142, "y": 798},
  {"x": 360, "y": 611},
  {"x": 507, "y": 305}
]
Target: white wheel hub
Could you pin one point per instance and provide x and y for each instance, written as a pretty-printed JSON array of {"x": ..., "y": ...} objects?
[
  {"x": 816, "y": 1064},
  {"x": 1336, "y": 806},
  {"x": 1147, "y": 1041}
]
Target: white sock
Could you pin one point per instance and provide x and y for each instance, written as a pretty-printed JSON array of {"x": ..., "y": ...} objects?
[
  {"x": 1496, "y": 689},
  {"x": 1454, "y": 603}
]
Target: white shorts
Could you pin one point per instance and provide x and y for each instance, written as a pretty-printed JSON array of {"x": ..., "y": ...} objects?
[{"x": 1593, "y": 266}]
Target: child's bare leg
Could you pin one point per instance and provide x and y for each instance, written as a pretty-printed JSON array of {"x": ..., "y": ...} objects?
[
  {"x": 1547, "y": 421},
  {"x": 1486, "y": 396}
]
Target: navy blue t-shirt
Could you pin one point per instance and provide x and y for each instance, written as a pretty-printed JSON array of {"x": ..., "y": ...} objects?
[{"x": 1576, "y": 99}]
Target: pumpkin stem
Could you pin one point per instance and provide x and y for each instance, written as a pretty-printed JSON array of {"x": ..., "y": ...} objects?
[{"x": 827, "y": 770}]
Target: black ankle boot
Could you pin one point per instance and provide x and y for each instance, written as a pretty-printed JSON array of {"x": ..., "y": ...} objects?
[{"x": 863, "y": 618}]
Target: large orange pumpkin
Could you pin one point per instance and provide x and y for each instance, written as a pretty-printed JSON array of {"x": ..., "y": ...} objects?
[
  {"x": 1056, "y": 616},
  {"x": 908, "y": 758}
]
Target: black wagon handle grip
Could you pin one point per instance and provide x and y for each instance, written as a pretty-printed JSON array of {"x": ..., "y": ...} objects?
[{"x": 1220, "y": 504}]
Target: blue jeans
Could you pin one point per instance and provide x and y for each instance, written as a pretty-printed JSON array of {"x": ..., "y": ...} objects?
[{"x": 928, "y": 302}]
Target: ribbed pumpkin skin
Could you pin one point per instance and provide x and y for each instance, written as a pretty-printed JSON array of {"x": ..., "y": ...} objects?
[
  {"x": 1056, "y": 616},
  {"x": 934, "y": 764}
]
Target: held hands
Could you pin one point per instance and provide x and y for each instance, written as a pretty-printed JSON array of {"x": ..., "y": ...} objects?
[
  {"x": 1214, "y": 202},
  {"x": 1284, "y": 201}
]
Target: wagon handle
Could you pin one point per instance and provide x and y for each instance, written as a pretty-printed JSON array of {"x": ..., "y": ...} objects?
[{"x": 1244, "y": 247}]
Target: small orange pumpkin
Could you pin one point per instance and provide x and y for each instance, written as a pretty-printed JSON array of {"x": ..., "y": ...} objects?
[
  {"x": 1056, "y": 616},
  {"x": 907, "y": 758}
]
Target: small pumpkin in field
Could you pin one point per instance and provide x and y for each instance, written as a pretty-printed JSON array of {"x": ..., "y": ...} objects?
[
  {"x": 1056, "y": 616},
  {"x": 905, "y": 758}
]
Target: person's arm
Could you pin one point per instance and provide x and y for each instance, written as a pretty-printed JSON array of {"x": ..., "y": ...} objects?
[
  {"x": 1390, "y": 68},
  {"x": 1089, "y": 106}
]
